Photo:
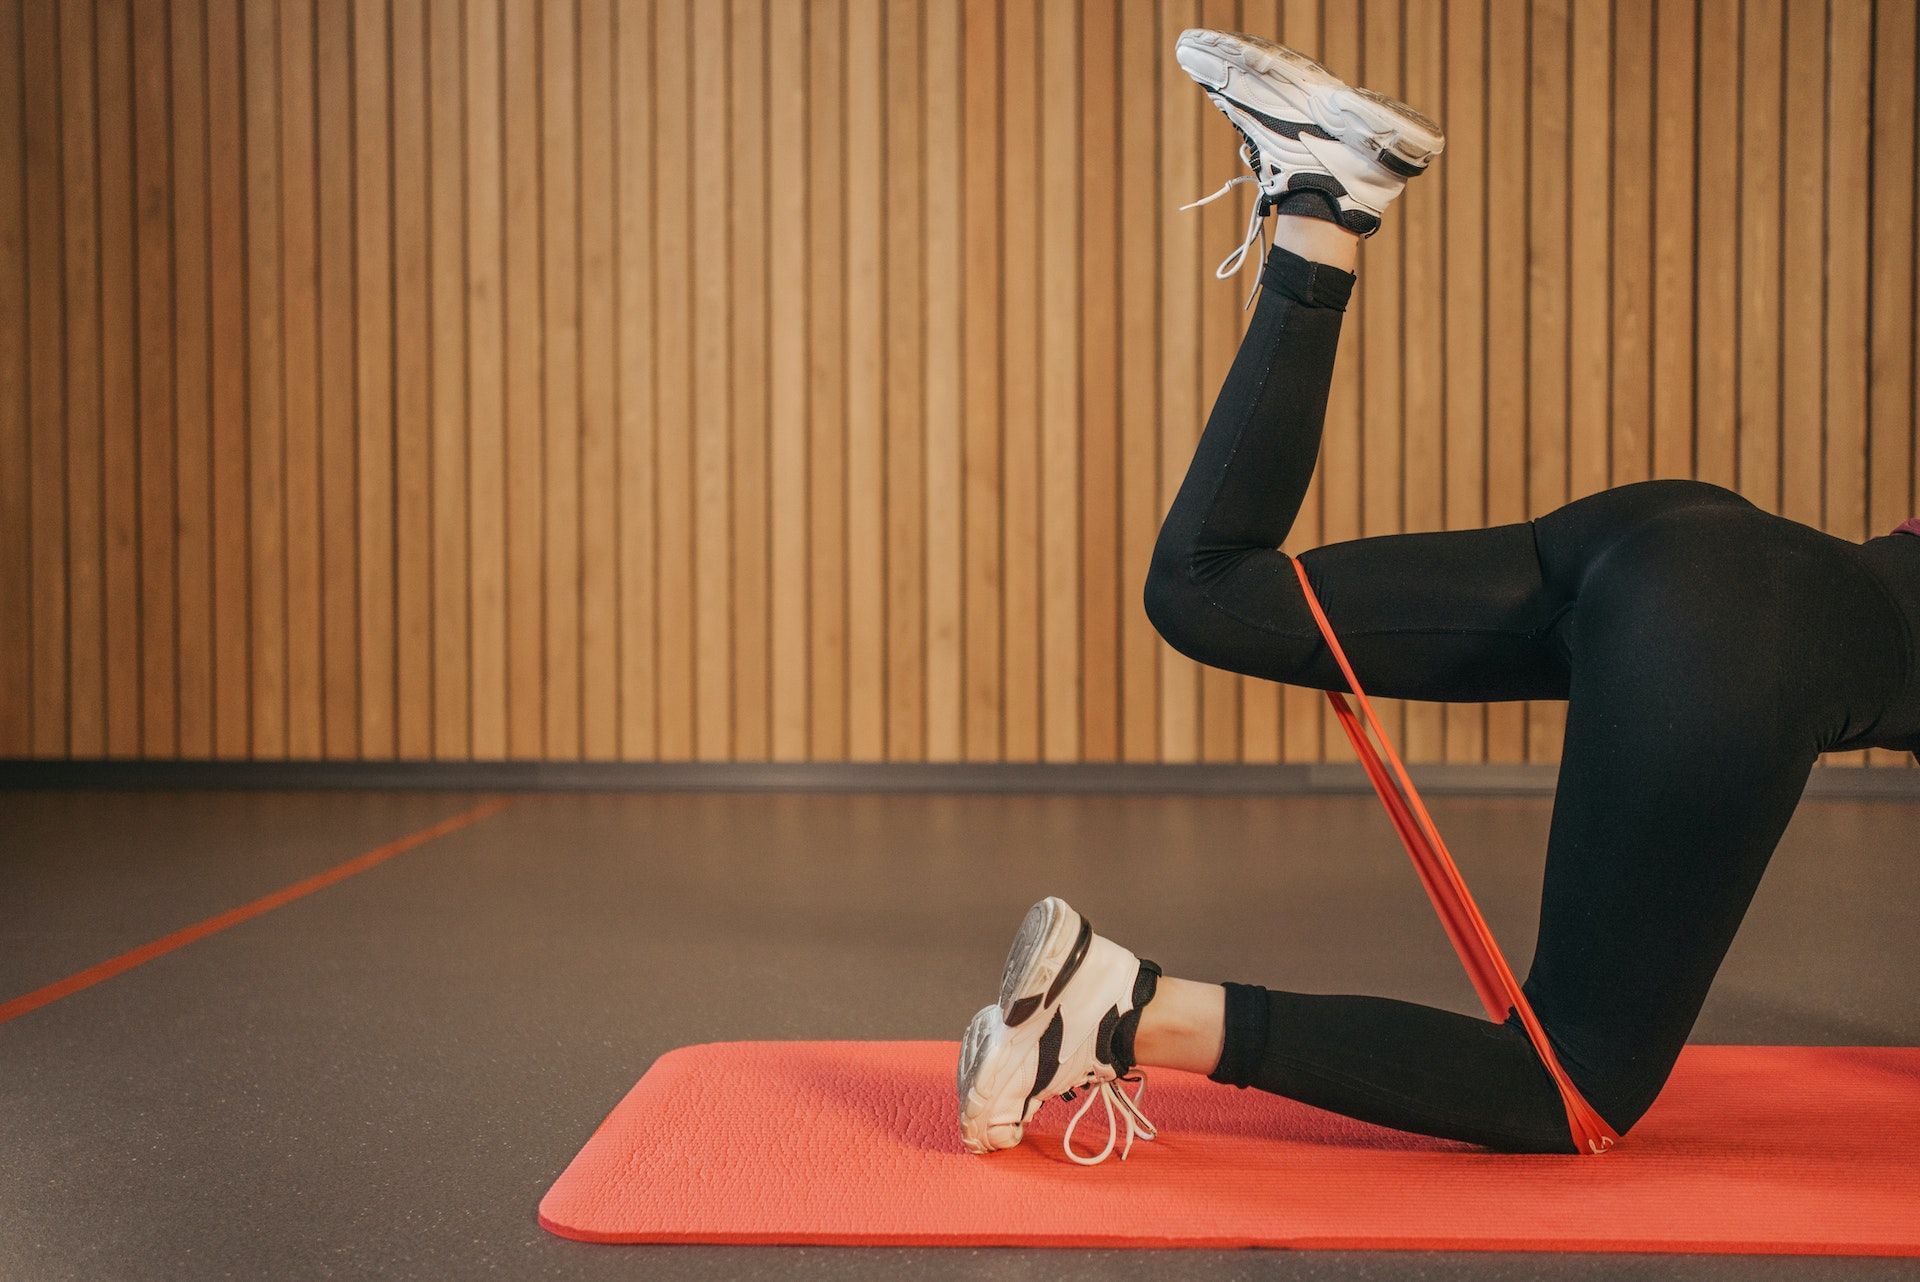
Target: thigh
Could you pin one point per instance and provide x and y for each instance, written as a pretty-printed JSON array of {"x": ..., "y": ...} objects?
[
  {"x": 1714, "y": 656},
  {"x": 1457, "y": 615}
]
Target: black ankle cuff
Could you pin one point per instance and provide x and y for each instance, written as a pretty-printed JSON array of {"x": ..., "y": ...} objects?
[
  {"x": 1309, "y": 283},
  {"x": 1145, "y": 982},
  {"x": 1246, "y": 1035}
]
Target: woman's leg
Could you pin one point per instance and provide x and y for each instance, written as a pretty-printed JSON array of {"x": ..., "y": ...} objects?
[
  {"x": 1709, "y": 652},
  {"x": 1459, "y": 615},
  {"x": 1715, "y": 651}
]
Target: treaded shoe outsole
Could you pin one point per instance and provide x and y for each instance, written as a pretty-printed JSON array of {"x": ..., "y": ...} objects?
[
  {"x": 1382, "y": 124},
  {"x": 1047, "y": 950}
]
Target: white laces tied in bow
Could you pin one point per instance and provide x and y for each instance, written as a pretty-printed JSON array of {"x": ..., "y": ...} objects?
[
  {"x": 1256, "y": 228},
  {"x": 1137, "y": 1123}
]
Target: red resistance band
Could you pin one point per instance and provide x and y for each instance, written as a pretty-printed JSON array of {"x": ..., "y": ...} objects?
[{"x": 1492, "y": 978}]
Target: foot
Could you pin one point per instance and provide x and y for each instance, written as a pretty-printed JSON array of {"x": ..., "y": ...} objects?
[
  {"x": 1316, "y": 145},
  {"x": 1070, "y": 1001}
]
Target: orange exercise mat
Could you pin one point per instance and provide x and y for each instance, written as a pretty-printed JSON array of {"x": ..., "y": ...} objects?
[{"x": 1774, "y": 1149}]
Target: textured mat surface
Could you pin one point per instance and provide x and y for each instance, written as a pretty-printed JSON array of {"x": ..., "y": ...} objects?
[{"x": 1777, "y": 1149}]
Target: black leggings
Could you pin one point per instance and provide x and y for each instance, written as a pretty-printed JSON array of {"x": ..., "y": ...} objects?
[{"x": 1708, "y": 653}]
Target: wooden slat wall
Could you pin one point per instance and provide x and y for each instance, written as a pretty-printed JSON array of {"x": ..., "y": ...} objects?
[{"x": 806, "y": 379}]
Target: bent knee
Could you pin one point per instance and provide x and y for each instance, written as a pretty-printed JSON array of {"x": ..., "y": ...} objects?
[
  {"x": 1177, "y": 605},
  {"x": 1223, "y": 621}
]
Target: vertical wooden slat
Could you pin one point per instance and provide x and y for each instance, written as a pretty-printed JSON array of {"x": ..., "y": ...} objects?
[
  {"x": 1098, "y": 495},
  {"x": 1761, "y": 130},
  {"x": 1180, "y": 312},
  {"x": 1419, "y": 213},
  {"x": 1717, "y": 169},
  {"x": 1849, "y": 108},
  {"x": 525, "y": 462},
  {"x": 1890, "y": 390},
  {"x": 1379, "y": 307},
  {"x": 411, "y": 697},
  {"x": 1631, "y": 174},
  {"x": 78, "y": 295},
  {"x": 1302, "y": 712},
  {"x": 119, "y": 393},
  {"x": 1591, "y": 195},
  {"x": 902, "y": 438},
  {"x": 560, "y": 370},
  {"x": 339, "y": 553},
  {"x": 449, "y": 570},
  {"x": 1142, "y": 65},
  {"x": 486, "y": 389},
  {"x": 747, "y": 298},
  {"x": 192, "y": 463},
  {"x": 112, "y": 190},
  {"x": 826, "y": 341},
  {"x": 1262, "y": 732},
  {"x": 1893, "y": 466},
  {"x": 599, "y": 493},
  {"x": 1802, "y": 420},
  {"x": 1560, "y": 171},
  {"x": 942, "y": 477},
  {"x": 633, "y": 159},
  {"x": 865, "y": 550},
  {"x": 1340, "y": 476},
  {"x": 1020, "y": 302},
  {"x": 712, "y": 396},
  {"x": 673, "y": 318},
  {"x": 47, "y": 711},
  {"x": 153, "y": 229},
  {"x": 300, "y": 387},
  {"x": 15, "y": 568},
  {"x": 1059, "y": 578},
  {"x": 1221, "y": 224},
  {"x": 980, "y": 349},
  {"x": 264, "y": 426},
  {"x": 377, "y": 172},
  {"x": 1463, "y": 177},
  {"x": 1848, "y": 226},
  {"x": 1507, "y": 92},
  {"x": 1673, "y": 241},
  {"x": 227, "y": 305},
  {"x": 787, "y": 109}
]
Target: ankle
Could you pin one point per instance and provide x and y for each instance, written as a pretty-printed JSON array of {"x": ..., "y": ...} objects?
[
  {"x": 1183, "y": 1026},
  {"x": 1315, "y": 237}
]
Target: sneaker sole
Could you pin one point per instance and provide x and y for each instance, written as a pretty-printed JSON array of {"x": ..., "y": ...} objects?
[
  {"x": 1046, "y": 953},
  {"x": 973, "y": 1053},
  {"x": 1359, "y": 115}
]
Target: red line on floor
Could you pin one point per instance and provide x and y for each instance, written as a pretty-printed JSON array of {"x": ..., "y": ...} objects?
[{"x": 245, "y": 912}]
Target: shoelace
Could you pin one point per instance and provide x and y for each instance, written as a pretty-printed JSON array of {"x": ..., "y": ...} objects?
[
  {"x": 1137, "y": 1123},
  {"x": 1256, "y": 224}
]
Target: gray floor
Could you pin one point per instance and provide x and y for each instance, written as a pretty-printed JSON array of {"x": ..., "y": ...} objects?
[{"x": 383, "y": 1078}]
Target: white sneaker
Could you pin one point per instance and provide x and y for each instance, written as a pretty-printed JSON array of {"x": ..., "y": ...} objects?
[
  {"x": 1314, "y": 142},
  {"x": 1064, "y": 995}
]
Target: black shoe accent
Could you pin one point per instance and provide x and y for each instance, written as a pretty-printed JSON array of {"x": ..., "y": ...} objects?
[
  {"x": 1322, "y": 184},
  {"x": 1103, "y": 1040},
  {"x": 1069, "y": 967},
  {"x": 1317, "y": 196},
  {"x": 1144, "y": 986},
  {"x": 1359, "y": 220},
  {"x": 1401, "y": 167},
  {"x": 1049, "y": 1054},
  {"x": 1285, "y": 128},
  {"x": 1023, "y": 1011}
]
